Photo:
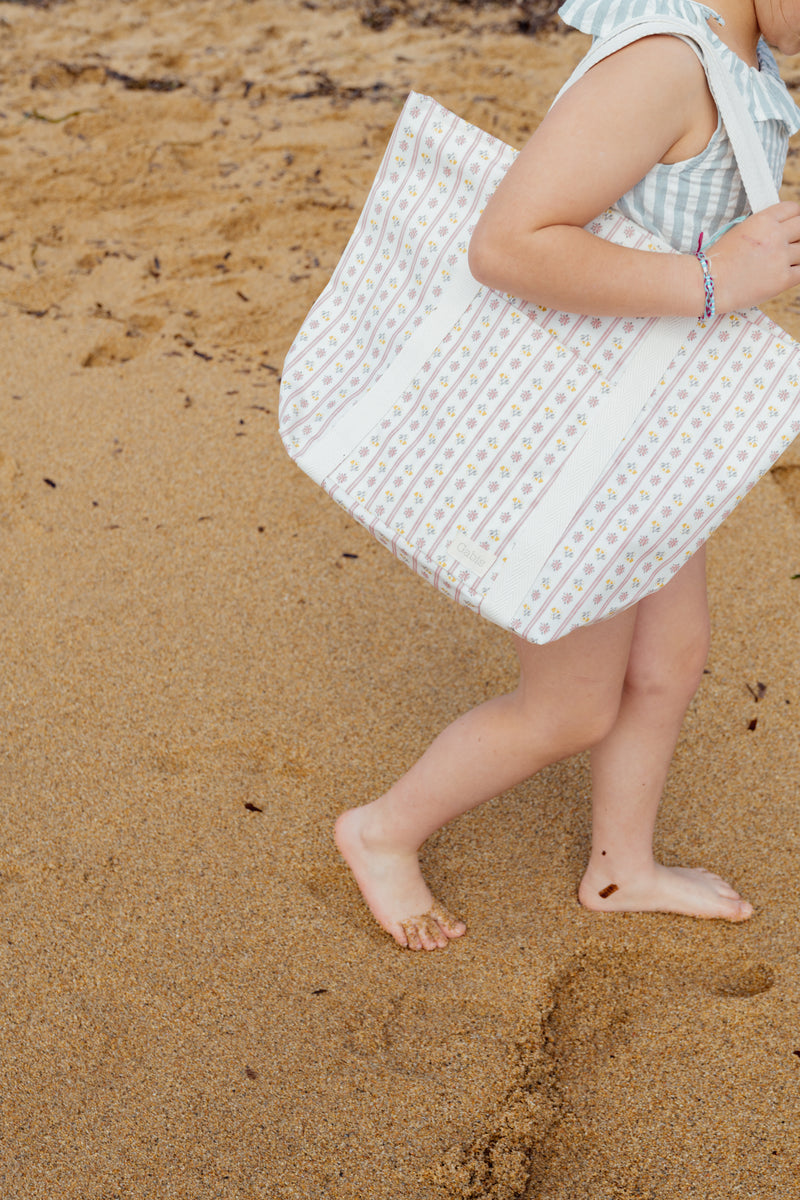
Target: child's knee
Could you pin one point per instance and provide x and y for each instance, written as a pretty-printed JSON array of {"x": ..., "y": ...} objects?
[
  {"x": 675, "y": 670},
  {"x": 600, "y": 718},
  {"x": 582, "y": 722}
]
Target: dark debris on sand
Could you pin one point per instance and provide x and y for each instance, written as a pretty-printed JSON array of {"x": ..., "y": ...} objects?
[
  {"x": 36, "y": 3},
  {"x": 518, "y": 16}
]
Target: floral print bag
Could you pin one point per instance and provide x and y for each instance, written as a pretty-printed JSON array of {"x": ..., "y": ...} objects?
[{"x": 545, "y": 469}]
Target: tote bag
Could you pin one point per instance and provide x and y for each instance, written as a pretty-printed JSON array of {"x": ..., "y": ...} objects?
[{"x": 545, "y": 469}]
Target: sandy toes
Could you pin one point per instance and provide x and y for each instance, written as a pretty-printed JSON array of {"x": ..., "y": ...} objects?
[
  {"x": 394, "y": 889},
  {"x": 690, "y": 891}
]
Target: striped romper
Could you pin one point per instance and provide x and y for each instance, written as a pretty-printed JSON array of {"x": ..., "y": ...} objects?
[{"x": 704, "y": 193}]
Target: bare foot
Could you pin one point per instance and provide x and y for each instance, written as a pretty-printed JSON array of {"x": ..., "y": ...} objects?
[
  {"x": 691, "y": 891},
  {"x": 392, "y": 885}
]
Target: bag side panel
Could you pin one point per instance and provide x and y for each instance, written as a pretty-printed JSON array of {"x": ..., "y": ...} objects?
[{"x": 405, "y": 260}]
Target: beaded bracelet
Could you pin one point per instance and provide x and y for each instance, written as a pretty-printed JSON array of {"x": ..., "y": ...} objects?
[{"x": 708, "y": 282}]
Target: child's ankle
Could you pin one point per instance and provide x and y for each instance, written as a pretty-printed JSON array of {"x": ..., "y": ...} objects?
[
  {"x": 372, "y": 831},
  {"x": 626, "y": 865}
]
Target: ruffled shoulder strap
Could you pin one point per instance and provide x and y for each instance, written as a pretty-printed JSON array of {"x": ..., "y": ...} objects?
[
  {"x": 766, "y": 95},
  {"x": 601, "y": 18},
  {"x": 733, "y": 109}
]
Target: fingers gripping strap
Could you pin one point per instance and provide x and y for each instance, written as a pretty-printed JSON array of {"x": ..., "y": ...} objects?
[{"x": 740, "y": 127}]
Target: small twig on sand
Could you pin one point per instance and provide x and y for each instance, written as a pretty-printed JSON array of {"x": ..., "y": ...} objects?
[{"x": 35, "y": 115}]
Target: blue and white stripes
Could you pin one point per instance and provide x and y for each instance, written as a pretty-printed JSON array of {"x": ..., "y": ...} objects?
[{"x": 704, "y": 193}]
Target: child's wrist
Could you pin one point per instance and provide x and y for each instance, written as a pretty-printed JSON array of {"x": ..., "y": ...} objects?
[{"x": 709, "y": 307}]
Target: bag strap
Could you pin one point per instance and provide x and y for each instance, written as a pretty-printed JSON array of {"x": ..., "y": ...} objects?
[{"x": 741, "y": 129}]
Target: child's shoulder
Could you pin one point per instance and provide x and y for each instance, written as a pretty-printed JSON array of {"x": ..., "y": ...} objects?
[{"x": 765, "y": 93}]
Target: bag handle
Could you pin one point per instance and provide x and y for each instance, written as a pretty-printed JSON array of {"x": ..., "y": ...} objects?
[{"x": 747, "y": 148}]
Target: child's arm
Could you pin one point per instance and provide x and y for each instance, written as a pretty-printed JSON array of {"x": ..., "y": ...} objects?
[{"x": 647, "y": 103}]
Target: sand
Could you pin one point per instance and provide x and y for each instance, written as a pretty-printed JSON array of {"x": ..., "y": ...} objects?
[{"x": 204, "y": 661}]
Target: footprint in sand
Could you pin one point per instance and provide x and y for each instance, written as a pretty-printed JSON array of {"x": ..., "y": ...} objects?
[
  {"x": 9, "y": 498},
  {"x": 122, "y": 347},
  {"x": 787, "y": 476},
  {"x": 646, "y": 1081}
]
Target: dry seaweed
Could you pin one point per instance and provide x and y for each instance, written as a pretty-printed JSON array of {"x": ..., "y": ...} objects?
[{"x": 513, "y": 16}]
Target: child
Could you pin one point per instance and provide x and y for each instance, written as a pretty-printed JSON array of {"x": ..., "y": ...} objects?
[{"x": 642, "y": 126}]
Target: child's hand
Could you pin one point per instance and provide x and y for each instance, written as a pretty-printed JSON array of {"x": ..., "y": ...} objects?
[{"x": 757, "y": 259}]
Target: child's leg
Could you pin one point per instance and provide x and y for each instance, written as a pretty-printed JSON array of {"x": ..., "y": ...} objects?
[
  {"x": 567, "y": 700},
  {"x": 629, "y": 767}
]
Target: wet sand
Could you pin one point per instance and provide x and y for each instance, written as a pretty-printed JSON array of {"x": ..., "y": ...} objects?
[{"x": 204, "y": 661}]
